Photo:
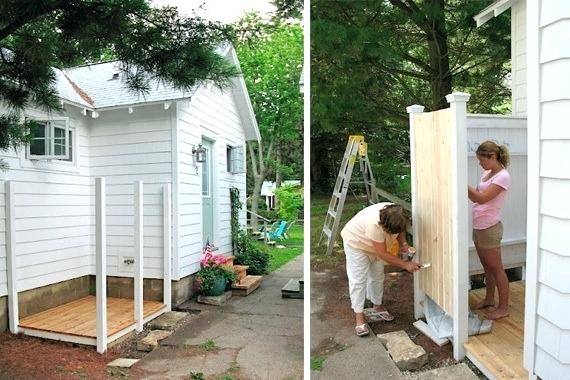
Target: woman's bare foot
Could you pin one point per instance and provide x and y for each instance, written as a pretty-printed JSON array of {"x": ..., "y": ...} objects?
[
  {"x": 484, "y": 304},
  {"x": 497, "y": 313}
]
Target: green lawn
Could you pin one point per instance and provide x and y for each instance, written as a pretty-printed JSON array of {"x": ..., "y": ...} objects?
[
  {"x": 319, "y": 207},
  {"x": 294, "y": 247}
]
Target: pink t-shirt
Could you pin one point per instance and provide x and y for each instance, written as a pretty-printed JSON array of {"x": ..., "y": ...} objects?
[{"x": 488, "y": 214}]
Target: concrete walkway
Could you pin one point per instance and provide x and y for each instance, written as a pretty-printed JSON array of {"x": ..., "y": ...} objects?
[
  {"x": 255, "y": 337},
  {"x": 349, "y": 356}
]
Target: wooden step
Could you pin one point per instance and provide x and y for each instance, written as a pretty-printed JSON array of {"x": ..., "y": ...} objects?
[{"x": 247, "y": 285}]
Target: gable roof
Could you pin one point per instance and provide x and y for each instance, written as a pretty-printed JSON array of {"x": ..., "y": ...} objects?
[
  {"x": 493, "y": 10},
  {"x": 101, "y": 86},
  {"x": 104, "y": 84}
]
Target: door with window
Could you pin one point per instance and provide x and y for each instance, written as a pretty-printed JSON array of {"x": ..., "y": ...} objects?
[{"x": 207, "y": 194}]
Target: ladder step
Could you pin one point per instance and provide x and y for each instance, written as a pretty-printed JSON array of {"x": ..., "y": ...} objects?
[
  {"x": 338, "y": 194},
  {"x": 327, "y": 232},
  {"x": 332, "y": 213}
]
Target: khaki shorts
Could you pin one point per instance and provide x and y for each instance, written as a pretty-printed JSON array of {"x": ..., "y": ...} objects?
[{"x": 489, "y": 237}]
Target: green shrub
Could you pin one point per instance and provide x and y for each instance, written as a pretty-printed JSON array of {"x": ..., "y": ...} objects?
[
  {"x": 268, "y": 214},
  {"x": 251, "y": 254},
  {"x": 207, "y": 276},
  {"x": 290, "y": 201}
]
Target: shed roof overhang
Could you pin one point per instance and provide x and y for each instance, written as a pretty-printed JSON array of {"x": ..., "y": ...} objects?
[{"x": 493, "y": 10}]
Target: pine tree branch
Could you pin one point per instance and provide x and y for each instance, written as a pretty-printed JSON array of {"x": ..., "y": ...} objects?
[{"x": 37, "y": 12}]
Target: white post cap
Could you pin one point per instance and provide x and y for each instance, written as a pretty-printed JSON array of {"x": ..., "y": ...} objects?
[
  {"x": 416, "y": 108},
  {"x": 458, "y": 97}
]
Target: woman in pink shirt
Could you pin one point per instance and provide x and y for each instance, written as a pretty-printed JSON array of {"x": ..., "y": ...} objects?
[{"x": 488, "y": 199}]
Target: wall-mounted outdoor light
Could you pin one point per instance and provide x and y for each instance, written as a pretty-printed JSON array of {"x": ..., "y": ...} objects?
[{"x": 199, "y": 155}]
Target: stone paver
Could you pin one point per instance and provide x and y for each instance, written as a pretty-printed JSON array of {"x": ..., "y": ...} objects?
[
  {"x": 122, "y": 363},
  {"x": 215, "y": 300},
  {"x": 255, "y": 337},
  {"x": 407, "y": 355},
  {"x": 167, "y": 321},
  {"x": 150, "y": 342},
  {"x": 455, "y": 372}
]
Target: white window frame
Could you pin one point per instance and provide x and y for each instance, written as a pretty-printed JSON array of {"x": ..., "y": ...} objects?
[{"x": 49, "y": 139}]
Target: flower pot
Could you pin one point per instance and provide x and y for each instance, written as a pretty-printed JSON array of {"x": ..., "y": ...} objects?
[{"x": 218, "y": 288}]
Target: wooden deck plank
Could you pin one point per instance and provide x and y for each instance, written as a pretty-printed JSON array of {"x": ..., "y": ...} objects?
[
  {"x": 501, "y": 351},
  {"x": 79, "y": 317}
]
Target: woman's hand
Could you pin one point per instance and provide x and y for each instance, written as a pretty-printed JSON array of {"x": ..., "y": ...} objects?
[{"x": 411, "y": 266}]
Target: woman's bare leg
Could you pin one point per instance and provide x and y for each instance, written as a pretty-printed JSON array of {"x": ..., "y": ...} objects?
[
  {"x": 490, "y": 282},
  {"x": 495, "y": 265}
]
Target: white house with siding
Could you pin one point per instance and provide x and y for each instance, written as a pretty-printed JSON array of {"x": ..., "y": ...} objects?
[
  {"x": 48, "y": 226},
  {"x": 541, "y": 91}
]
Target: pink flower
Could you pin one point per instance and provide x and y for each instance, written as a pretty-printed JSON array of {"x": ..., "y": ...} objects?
[{"x": 210, "y": 260}]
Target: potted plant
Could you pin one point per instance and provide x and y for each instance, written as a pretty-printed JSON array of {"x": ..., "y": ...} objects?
[{"x": 213, "y": 276}]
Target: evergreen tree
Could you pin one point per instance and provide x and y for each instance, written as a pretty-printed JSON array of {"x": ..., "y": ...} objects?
[{"x": 151, "y": 43}]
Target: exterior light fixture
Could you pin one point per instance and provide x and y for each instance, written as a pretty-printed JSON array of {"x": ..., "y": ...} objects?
[{"x": 199, "y": 153}]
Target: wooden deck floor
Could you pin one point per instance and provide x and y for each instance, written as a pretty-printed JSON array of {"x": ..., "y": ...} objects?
[
  {"x": 79, "y": 317},
  {"x": 501, "y": 351}
]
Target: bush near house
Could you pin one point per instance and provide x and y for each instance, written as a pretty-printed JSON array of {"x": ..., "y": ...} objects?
[{"x": 251, "y": 254}]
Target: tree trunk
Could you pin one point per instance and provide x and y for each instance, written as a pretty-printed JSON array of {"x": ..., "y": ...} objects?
[
  {"x": 278, "y": 174},
  {"x": 440, "y": 82},
  {"x": 257, "y": 182}
]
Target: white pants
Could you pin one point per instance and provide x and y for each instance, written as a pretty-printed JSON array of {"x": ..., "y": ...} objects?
[{"x": 365, "y": 278}]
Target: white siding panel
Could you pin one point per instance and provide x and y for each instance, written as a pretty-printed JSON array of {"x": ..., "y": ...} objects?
[
  {"x": 554, "y": 158},
  {"x": 553, "y": 10},
  {"x": 554, "y": 41},
  {"x": 554, "y": 271},
  {"x": 547, "y": 367},
  {"x": 518, "y": 58},
  {"x": 3, "y": 273},
  {"x": 125, "y": 148},
  {"x": 554, "y": 306},
  {"x": 554, "y": 116},
  {"x": 553, "y": 190},
  {"x": 212, "y": 114},
  {"x": 555, "y": 83},
  {"x": 552, "y": 235},
  {"x": 53, "y": 214}
]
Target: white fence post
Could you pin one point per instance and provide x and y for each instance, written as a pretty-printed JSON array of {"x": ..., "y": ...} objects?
[
  {"x": 138, "y": 299},
  {"x": 167, "y": 245},
  {"x": 101, "y": 260},
  {"x": 11, "y": 258},
  {"x": 418, "y": 293},
  {"x": 460, "y": 250}
]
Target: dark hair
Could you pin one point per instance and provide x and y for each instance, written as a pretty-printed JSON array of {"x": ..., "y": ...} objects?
[
  {"x": 488, "y": 148},
  {"x": 394, "y": 219}
]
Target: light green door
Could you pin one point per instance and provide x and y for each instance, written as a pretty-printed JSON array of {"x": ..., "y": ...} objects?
[{"x": 207, "y": 195}]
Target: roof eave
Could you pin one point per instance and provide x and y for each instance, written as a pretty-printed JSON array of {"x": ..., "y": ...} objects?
[{"x": 493, "y": 10}]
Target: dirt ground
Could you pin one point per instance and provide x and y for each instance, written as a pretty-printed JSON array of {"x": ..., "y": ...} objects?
[
  {"x": 398, "y": 299},
  {"x": 23, "y": 357}
]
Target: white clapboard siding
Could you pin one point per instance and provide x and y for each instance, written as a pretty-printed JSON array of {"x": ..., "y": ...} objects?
[
  {"x": 510, "y": 131},
  {"x": 212, "y": 114},
  {"x": 53, "y": 214},
  {"x": 3, "y": 273},
  {"x": 125, "y": 148},
  {"x": 550, "y": 63},
  {"x": 518, "y": 57}
]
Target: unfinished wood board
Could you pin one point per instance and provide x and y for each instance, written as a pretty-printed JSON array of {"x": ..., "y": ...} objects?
[
  {"x": 501, "y": 351},
  {"x": 79, "y": 317},
  {"x": 247, "y": 285},
  {"x": 432, "y": 146}
]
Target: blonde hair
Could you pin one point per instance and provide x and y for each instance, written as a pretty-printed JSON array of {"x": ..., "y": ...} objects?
[
  {"x": 487, "y": 148},
  {"x": 394, "y": 219}
]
